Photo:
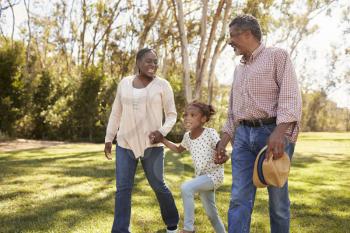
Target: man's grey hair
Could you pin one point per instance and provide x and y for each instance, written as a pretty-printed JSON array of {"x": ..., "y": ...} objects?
[{"x": 247, "y": 22}]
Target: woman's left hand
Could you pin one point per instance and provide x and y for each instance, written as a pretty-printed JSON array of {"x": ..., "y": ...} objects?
[{"x": 155, "y": 137}]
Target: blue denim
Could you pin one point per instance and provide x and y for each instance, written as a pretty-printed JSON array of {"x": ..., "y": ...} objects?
[
  {"x": 248, "y": 142},
  {"x": 153, "y": 164}
]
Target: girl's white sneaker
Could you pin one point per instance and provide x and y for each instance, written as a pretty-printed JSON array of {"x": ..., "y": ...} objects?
[{"x": 171, "y": 231}]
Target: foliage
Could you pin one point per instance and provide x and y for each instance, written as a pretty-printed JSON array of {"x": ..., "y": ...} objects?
[
  {"x": 84, "y": 120},
  {"x": 59, "y": 82},
  {"x": 11, "y": 85},
  {"x": 321, "y": 114},
  {"x": 42, "y": 99}
]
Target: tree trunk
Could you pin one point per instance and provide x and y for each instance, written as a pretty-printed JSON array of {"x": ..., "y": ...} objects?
[
  {"x": 203, "y": 73},
  {"x": 221, "y": 44},
  {"x": 149, "y": 23},
  {"x": 184, "y": 50},
  {"x": 13, "y": 21},
  {"x": 203, "y": 34},
  {"x": 108, "y": 31},
  {"x": 27, "y": 6},
  {"x": 82, "y": 34}
]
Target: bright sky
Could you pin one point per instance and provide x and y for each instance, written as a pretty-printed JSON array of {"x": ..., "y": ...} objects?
[{"x": 319, "y": 44}]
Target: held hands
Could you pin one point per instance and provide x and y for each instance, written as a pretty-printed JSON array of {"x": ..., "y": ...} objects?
[
  {"x": 155, "y": 137},
  {"x": 108, "y": 150},
  {"x": 220, "y": 156}
]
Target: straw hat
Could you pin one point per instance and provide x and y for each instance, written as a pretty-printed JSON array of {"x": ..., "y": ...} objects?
[{"x": 272, "y": 172}]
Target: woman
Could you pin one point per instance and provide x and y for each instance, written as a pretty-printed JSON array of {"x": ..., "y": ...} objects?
[{"x": 137, "y": 121}]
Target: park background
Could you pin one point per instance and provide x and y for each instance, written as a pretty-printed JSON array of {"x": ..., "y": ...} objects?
[{"x": 60, "y": 64}]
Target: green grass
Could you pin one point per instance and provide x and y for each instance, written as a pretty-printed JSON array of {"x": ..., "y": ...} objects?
[{"x": 70, "y": 188}]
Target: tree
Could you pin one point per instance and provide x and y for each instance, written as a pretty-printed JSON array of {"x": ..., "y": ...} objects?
[
  {"x": 27, "y": 6},
  {"x": 10, "y": 4},
  {"x": 85, "y": 105},
  {"x": 184, "y": 47},
  {"x": 11, "y": 85},
  {"x": 220, "y": 45},
  {"x": 206, "y": 43},
  {"x": 42, "y": 99},
  {"x": 60, "y": 82},
  {"x": 292, "y": 25}
]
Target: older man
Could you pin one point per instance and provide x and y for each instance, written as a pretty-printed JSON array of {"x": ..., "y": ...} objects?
[{"x": 264, "y": 108}]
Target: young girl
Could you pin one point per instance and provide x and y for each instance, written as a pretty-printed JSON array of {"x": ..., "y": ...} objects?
[{"x": 201, "y": 142}]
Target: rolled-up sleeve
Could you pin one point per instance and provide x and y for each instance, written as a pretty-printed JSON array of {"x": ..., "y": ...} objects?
[
  {"x": 289, "y": 107},
  {"x": 229, "y": 124},
  {"x": 114, "y": 117},
  {"x": 169, "y": 109}
]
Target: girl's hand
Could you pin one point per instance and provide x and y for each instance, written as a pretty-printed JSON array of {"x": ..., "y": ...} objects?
[{"x": 108, "y": 150}]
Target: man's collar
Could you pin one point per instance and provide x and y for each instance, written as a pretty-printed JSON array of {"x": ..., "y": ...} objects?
[{"x": 255, "y": 53}]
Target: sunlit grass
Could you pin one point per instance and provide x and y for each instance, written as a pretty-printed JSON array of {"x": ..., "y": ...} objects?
[{"x": 70, "y": 188}]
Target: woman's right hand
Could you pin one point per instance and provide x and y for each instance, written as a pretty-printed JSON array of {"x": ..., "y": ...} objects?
[{"x": 108, "y": 150}]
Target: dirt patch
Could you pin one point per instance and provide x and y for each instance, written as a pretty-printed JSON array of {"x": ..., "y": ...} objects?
[{"x": 24, "y": 144}]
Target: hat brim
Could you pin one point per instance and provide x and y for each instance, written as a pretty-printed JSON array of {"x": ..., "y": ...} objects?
[
  {"x": 259, "y": 180},
  {"x": 258, "y": 176}
]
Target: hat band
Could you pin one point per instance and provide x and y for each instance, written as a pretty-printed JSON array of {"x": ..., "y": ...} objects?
[{"x": 260, "y": 169}]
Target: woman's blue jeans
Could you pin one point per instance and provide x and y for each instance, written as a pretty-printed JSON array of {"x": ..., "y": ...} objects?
[
  {"x": 247, "y": 143},
  {"x": 153, "y": 164}
]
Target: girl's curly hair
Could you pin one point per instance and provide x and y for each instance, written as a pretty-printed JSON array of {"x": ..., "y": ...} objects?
[{"x": 206, "y": 109}]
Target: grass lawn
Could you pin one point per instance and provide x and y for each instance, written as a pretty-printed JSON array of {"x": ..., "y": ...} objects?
[{"x": 70, "y": 188}]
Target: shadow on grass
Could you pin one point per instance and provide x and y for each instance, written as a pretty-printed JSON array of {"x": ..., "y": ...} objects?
[
  {"x": 160, "y": 231},
  {"x": 302, "y": 161},
  {"x": 9, "y": 165},
  {"x": 13, "y": 167},
  {"x": 72, "y": 208},
  {"x": 45, "y": 215},
  {"x": 49, "y": 158},
  {"x": 13, "y": 195},
  {"x": 173, "y": 163},
  {"x": 85, "y": 171},
  {"x": 328, "y": 214},
  {"x": 342, "y": 164},
  {"x": 29, "y": 150},
  {"x": 331, "y": 213}
]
